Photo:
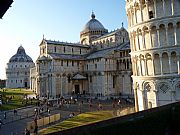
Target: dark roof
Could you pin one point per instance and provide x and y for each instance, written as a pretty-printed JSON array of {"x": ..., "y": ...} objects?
[
  {"x": 20, "y": 56},
  {"x": 4, "y": 6},
  {"x": 66, "y": 56},
  {"x": 65, "y": 43},
  {"x": 104, "y": 52}
]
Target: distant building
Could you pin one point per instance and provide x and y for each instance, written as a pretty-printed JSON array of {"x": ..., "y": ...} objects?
[
  {"x": 154, "y": 29},
  {"x": 99, "y": 65},
  {"x": 18, "y": 70}
]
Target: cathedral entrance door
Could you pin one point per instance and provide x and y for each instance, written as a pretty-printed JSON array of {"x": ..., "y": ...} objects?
[
  {"x": 25, "y": 84},
  {"x": 77, "y": 90}
]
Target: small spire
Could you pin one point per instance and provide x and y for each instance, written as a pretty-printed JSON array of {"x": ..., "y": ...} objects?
[
  {"x": 43, "y": 36},
  {"x": 122, "y": 24},
  {"x": 93, "y": 15}
]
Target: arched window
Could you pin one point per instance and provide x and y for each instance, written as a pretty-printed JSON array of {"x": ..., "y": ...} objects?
[{"x": 174, "y": 67}]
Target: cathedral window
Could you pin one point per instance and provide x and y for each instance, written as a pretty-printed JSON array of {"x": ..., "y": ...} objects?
[
  {"x": 55, "y": 49},
  {"x": 78, "y": 63},
  {"x": 72, "y": 50},
  {"x": 80, "y": 51},
  {"x": 72, "y": 63},
  {"x": 43, "y": 50},
  {"x": 87, "y": 67},
  {"x": 114, "y": 81},
  {"x": 61, "y": 62},
  {"x": 67, "y": 63},
  {"x": 151, "y": 15},
  {"x": 90, "y": 79},
  {"x": 69, "y": 79},
  {"x": 120, "y": 54},
  {"x": 95, "y": 66},
  {"x": 127, "y": 64},
  {"x": 64, "y": 49}
]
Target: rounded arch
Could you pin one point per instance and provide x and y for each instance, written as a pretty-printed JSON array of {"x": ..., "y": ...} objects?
[
  {"x": 157, "y": 68},
  {"x": 177, "y": 90},
  {"x": 171, "y": 37},
  {"x": 164, "y": 92},
  {"x": 154, "y": 36},
  {"x": 178, "y": 32},
  {"x": 149, "y": 63},
  {"x": 174, "y": 66},
  {"x": 148, "y": 94},
  {"x": 165, "y": 63},
  {"x": 162, "y": 35}
]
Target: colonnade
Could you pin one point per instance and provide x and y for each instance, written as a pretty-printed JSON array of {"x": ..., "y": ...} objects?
[
  {"x": 144, "y": 10},
  {"x": 153, "y": 36},
  {"x": 156, "y": 64}
]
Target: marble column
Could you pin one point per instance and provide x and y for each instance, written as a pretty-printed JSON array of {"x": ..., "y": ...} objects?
[
  {"x": 150, "y": 37},
  {"x": 143, "y": 39},
  {"x": 153, "y": 66},
  {"x": 175, "y": 34},
  {"x": 164, "y": 8},
  {"x": 155, "y": 9},
  {"x": 169, "y": 59},
  {"x": 161, "y": 65},
  {"x": 172, "y": 6},
  {"x": 178, "y": 64},
  {"x": 158, "y": 35},
  {"x": 167, "y": 38}
]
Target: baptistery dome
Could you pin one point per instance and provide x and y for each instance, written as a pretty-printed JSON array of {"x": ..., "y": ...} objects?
[{"x": 20, "y": 56}]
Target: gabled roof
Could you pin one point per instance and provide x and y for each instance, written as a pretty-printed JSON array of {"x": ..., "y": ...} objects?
[
  {"x": 105, "y": 52},
  {"x": 64, "y": 43},
  {"x": 110, "y": 33},
  {"x": 79, "y": 77},
  {"x": 66, "y": 56}
]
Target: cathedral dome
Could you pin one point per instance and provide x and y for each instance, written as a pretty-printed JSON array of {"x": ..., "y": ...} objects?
[
  {"x": 20, "y": 56},
  {"x": 93, "y": 24}
]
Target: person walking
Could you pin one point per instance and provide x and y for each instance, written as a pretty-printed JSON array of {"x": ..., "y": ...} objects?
[
  {"x": 1, "y": 123},
  {"x": 36, "y": 129},
  {"x": 27, "y": 132},
  {"x": 5, "y": 115}
]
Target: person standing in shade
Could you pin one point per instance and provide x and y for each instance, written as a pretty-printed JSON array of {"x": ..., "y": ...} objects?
[
  {"x": 36, "y": 129},
  {"x": 5, "y": 115}
]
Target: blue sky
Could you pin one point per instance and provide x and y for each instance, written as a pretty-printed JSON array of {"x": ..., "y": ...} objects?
[{"x": 27, "y": 20}]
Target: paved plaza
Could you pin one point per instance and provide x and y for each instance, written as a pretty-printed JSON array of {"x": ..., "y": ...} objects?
[{"x": 15, "y": 124}]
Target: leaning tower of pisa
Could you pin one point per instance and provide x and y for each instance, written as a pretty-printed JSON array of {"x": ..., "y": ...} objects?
[{"x": 154, "y": 31}]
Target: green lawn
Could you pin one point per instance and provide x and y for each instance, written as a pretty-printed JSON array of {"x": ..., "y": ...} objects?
[
  {"x": 81, "y": 119},
  {"x": 14, "y": 98}
]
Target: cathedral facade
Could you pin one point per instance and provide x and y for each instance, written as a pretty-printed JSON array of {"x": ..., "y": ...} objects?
[
  {"x": 18, "y": 70},
  {"x": 154, "y": 30},
  {"x": 99, "y": 65}
]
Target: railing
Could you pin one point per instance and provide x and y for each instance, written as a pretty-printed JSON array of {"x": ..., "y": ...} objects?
[{"x": 43, "y": 122}]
